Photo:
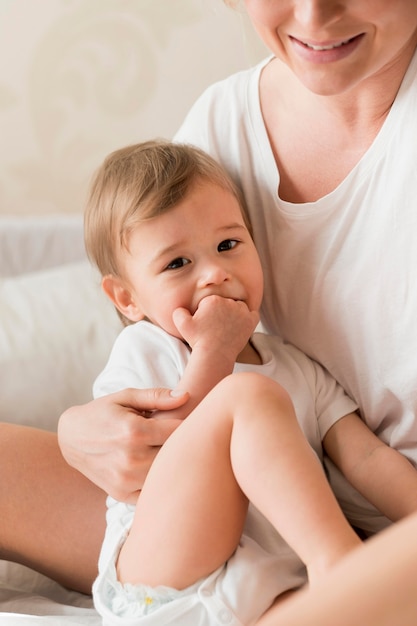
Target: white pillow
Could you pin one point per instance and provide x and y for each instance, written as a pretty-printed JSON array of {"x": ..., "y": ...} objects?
[{"x": 56, "y": 332}]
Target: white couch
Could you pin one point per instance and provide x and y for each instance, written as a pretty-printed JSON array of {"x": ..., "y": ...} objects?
[
  {"x": 56, "y": 326},
  {"x": 56, "y": 330}
]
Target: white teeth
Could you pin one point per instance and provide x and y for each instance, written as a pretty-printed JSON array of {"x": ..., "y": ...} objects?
[{"x": 336, "y": 45}]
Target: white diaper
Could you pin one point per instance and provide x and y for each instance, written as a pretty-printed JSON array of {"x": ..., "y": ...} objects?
[{"x": 236, "y": 594}]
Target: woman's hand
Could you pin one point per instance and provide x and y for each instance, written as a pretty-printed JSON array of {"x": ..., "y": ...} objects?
[{"x": 113, "y": 440}]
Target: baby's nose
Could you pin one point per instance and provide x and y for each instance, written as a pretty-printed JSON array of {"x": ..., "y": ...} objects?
[{"x": 214, "y": 274}]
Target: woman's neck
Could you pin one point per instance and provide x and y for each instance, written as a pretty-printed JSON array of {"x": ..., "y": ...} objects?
[{"x": 318, "y": 139}]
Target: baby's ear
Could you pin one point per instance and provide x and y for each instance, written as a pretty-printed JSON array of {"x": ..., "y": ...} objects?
[{"x": 121, "y": 297}]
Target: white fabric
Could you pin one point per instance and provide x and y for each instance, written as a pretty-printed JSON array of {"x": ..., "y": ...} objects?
[
  {"x": 145, "y": 356},
  {"x": 234, "y": 595},
  {"x": 28, "y": 598},
  {"x": 341, "y": 272},
  {"x": 56, "y": 331}
]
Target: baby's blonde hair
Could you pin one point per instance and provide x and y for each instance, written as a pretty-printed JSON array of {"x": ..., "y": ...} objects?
[{"x": 137, "y": 183}]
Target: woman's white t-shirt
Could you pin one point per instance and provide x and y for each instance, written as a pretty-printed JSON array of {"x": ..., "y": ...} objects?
[{"x": 341, "y": 272}]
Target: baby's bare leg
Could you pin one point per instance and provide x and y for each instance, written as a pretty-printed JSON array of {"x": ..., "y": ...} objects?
[
  {"x": 243, "y": 440},
  {"x": 52, "y": 518},
  {"x": 190, "y": 514},
  {"x": 280, "y": 473}
]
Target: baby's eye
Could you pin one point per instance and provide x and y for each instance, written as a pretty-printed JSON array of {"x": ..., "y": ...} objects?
[
  {"x": 227, "y": 244},
  {"x": 176, "y": 263}
]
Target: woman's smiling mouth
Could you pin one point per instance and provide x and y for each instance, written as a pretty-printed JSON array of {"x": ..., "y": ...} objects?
[
  {"x": 325, "y": 52},
  {"x": 330, "y": 46}
]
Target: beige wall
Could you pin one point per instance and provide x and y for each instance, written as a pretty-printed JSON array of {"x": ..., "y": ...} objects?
[{"x": 79, "y": 78}]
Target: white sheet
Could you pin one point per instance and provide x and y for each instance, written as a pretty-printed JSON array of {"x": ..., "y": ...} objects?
[{"x": 27, "y": 597}]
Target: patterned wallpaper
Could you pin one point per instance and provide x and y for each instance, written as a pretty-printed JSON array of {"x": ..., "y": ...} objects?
[{"x": 79, "y": 78}]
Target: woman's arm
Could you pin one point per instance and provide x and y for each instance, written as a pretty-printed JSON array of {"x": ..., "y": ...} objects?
[{"x": 380, "y": 473}]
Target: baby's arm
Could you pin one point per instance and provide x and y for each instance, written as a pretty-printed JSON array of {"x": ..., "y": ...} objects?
[
  {"x": 380, "y": 473},
  {"x": 216, "y": 333}
]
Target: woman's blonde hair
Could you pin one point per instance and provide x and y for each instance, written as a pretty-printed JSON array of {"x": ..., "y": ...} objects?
[{"x": 137, "y": 183}]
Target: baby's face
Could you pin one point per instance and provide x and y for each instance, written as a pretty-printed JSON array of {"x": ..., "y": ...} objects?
[{"x": 199, "y": 248}]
